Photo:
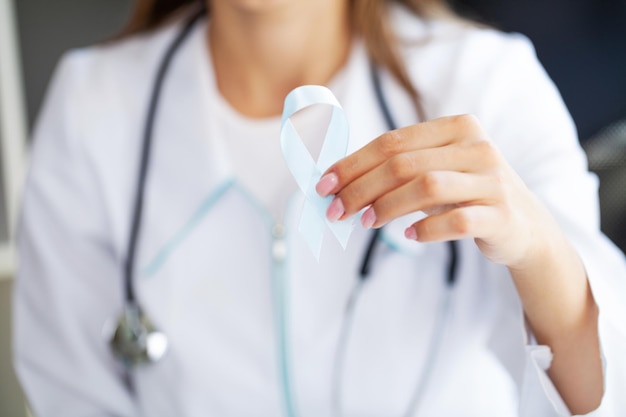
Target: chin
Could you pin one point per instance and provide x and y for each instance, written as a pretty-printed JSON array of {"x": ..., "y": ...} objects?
[{"x": 256, "y": 6}]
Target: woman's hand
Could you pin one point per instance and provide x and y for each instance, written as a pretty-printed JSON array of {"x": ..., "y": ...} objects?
[{"x": 448, "y": 169}]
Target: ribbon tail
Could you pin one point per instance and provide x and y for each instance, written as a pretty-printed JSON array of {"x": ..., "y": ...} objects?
[
  {"x": 312, "y": 229},
  {"x": 342, "y": 230}
]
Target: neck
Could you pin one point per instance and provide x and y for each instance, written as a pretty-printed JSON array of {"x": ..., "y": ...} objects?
[{"x": 261, "y": 55}]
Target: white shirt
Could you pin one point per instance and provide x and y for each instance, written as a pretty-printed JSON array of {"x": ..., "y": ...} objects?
[
  {"x": 205, "y": 271},
  {"x": 253, "y": 147}
]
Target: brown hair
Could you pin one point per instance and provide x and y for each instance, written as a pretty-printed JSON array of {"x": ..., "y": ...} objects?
[{"x": 370, "y": 20}]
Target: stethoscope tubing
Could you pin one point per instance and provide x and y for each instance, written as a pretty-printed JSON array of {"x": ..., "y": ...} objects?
[{"x": 146, "y": 148}]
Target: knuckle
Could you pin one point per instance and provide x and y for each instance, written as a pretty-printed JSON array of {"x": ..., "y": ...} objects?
[
  {"x": 430, "y": 185},
  {"x": 461, "y": 222},
  {"x": 471, "y": 120},
  {"x": 384, "y": 209},
  {"x": 501, "y": 185},
  {"x": 486, "y": 150},
  {"x": 469, "y": 125},
  {"x": 350, "y": 197},
  {"x": 465, "y": 121},
  {"x": 401, "y": 166},
  {"x": 391, "y": 143},
  {"x": 500, "y": 182},
  {"x": 344, "y": 169},
  {"x": 484, "y": 146}
]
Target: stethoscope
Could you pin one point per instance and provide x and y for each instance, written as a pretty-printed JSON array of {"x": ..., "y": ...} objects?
[{"x": 136, "y": 341}]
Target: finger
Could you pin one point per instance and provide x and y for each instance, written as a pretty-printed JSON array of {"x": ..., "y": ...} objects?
[
  {"x": 406, "y": 167},
  {"x": 475, "y": 156},
  {"x": 460, "y": 223},
  {"x": 435, "y": 133},
  {"x": 434, "y": 190}
]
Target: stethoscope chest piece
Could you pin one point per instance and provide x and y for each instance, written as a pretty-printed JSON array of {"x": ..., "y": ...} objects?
[{"x": 135, "y": 340}]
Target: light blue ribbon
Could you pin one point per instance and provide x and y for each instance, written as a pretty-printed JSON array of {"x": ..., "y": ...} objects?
[{"x": 306, "y": 171}]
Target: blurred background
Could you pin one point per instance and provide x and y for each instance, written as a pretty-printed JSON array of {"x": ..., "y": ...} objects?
[{"x": 582, "y": 44}]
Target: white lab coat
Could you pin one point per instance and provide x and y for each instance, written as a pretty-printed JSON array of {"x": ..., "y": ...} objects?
[{"x": 207, "y": 276}]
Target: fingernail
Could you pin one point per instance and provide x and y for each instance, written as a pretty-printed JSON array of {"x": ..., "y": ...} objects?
[
  {"x": 327, "y": 184},
  {"x": 335, "y": 210},
  {"x": 368, "y": 218},
  {"x": 410, "y": 233}
]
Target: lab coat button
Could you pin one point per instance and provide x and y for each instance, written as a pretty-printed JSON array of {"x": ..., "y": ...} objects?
[
  {"x": 278, "y": 231},
  {"x": 279, "y": 248}
]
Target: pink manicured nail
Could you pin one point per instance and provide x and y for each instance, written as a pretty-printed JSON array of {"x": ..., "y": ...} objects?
[
  {"x": 368, "y": 218},
  {"x": 410, "y": 233},
  {"x": 335, "y": 210},
  {"x": 327, "y": 184}
]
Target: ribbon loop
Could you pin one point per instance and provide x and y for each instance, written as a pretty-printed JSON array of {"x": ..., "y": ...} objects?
[{"x": 306, "y": 171}]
